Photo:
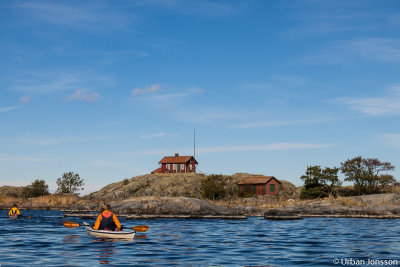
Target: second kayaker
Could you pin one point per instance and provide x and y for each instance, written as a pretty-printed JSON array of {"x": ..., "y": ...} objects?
[
  {"x": 107, "y": 220},
  {"x": 14, "y": 211}
]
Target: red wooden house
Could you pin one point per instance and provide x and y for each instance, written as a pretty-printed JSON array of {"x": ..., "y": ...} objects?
[
  {"x": 260, "y": 185},
  {"x": 177, "y": 164}
]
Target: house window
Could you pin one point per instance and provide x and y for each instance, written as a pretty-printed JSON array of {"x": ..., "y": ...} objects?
[
  {"x": 272, "y": 188},
  {"x": 191, "y": 167},
  {"x": 182, "y": 167},
  {"x": 174, "y": 167},
  {"x": 168, "y": 167}
]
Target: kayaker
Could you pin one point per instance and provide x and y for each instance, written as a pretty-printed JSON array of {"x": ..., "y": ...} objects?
[
  {"x": 107, "y": 220},
  {"x": 14, "y": 211}
]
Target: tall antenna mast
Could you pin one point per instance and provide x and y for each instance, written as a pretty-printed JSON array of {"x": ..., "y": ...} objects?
[{"x": 194, "y": 143}]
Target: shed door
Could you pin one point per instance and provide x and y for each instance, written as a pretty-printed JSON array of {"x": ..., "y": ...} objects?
[
  {"x": 272, "y": 188},
  {"x": 260, "y": 190}
]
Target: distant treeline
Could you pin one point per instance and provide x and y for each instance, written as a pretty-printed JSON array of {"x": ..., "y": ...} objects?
[
  {"x": 69, "y": 183},
  {"x": 367, "y": 175}
]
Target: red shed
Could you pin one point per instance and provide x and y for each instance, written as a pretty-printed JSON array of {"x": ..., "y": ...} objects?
[
  {"x": 177, "y": 164},
  {"x": 260, "y": 185}
]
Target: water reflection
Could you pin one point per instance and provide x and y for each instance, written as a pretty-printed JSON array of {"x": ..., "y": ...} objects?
[
  {"x": 108, "y": 240},
  {"x": 106, "y": 253},
  {"x": 140, "y": 236},
  {"x": 70, "y": 239},
  {"x": 45, "y": 242}
]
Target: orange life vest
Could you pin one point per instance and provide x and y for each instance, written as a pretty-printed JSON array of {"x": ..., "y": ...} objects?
[{"x": 107, "y": 221}]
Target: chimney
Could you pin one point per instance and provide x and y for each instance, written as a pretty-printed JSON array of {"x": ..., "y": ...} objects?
[{"x": 176, "y": 155}]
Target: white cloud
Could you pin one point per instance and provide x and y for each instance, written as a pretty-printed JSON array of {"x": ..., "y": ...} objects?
[
  {"x": 209, "y": 9},
  {"x": 206, "y": 9},
  {"x": 381, "y": 105},
  {"x": 392, "y": 140},
  {"x": 83, "y": 16},
  {"x": 50, "y": 82},
  {"x": 205, "y": 115},
  {"x": 6, "y": 158},
  {"x": 147, "y": 90},
  {"x": 84, "y": 95},
  {"x": 269, "y": 147},
  {"x": 49, "y": 140},
  {"x": 377, "y": 49},
  {"x": 240, "y": 148},
  {"x": 190, "y": 92},
  {"x": 278, "y": 123},
  {"x": 43, "y": 141},
  {"x": 59, "y": 83},
  {"x": 107, "y": 163},
  {"x": 386, "y": 50},
  {"x": 25, "y": 99},
  {"x": 154, "y": 135},
  {"x": 151, "y": 93},
  {"x": 9, "y": 108}
]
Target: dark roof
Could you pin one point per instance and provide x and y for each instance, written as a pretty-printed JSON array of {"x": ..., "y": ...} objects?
[
  {"x": 158, "y": 170},
  {"x": 257, "y": 180},
  {"x": 177, "y": 159}
]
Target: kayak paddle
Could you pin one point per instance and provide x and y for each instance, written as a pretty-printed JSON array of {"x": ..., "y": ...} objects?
[
  {"x": 139, "y": 228},
  {"x": 23, "y": 216}
]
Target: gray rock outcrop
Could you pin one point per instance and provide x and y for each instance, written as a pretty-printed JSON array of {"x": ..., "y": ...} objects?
[
  {"x": 170, "y": 206},
  {"x": 378, "y": 206}
]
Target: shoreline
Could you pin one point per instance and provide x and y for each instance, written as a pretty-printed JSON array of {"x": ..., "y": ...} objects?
[
  {"x": 90, "y": 214},
  {"x": 379, "y": 206},
  {"x": 360, "y": 216},
  {"x": 161, "y": 216}
]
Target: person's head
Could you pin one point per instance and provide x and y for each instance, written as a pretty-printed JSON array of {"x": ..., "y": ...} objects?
[
  {"x": 15, "y": 205},
  {"x": 106, "y": 207}
]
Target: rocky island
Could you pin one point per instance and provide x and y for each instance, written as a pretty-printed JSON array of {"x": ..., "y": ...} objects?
[{"x": 181, "y": 195}]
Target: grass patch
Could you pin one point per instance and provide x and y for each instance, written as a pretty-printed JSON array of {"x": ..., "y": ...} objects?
[{"x": 349, "y": 201}]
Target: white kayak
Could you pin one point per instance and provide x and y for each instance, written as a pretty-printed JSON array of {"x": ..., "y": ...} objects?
[
  {"x": 13, "y": 217},
  {"x": 109, "y": 234}
]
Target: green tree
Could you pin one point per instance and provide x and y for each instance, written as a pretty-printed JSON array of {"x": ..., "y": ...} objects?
[
  {"x": 319, "y": 182},
  {"x": 366, "y": 174},
  {"x": 330, "y": 180},
  {"x": 69, "y": 183},
  {"x": 213, "y": 187},
  {"x": 36, "y": 189}
]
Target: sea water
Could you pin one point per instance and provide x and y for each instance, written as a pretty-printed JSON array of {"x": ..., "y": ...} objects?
[{"x": 43, "y": 241}]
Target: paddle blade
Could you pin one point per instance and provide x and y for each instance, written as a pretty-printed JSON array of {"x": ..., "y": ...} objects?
[
  {"x": 141, "y": 228},
  {"x": 69, "y": 224}
]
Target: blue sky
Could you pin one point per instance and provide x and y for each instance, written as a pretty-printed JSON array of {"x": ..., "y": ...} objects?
[{"x": 107, "y": 88}]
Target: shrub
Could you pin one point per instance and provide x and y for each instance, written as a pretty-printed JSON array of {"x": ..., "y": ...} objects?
[
  {"x": 213, "y": 187},
  {"x": 320, "y": 182},
  {"x": 366, "y": 173},
  {"x": 313, "y": 192},
  {"x": 69, "y": 183},
  {"x": 36, "y": 189}
]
